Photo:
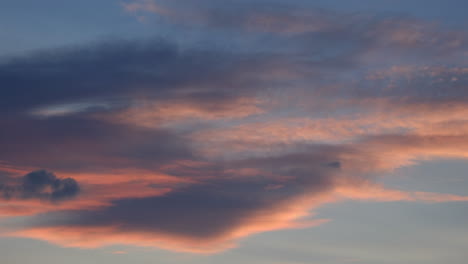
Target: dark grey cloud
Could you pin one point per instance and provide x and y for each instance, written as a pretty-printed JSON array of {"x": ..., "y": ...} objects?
[
  {"x": 121, "y": 71},
  {"x": 213, "y": 207},
  {"x": 79, "y": 143},
  {"x": 106, "y": 79},
  {"x": 42, "y": 185}
]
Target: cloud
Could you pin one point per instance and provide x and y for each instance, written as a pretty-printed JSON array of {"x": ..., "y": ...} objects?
[
  {"x": 273, "y": 17},
  {"x": 41, "y": 185},
  {"x": 213, "y": 213},
  {"x": 314, "y": 27},
  {"x": 193, "y": 149},
  {"x": 112, "y": 75},
  {"x": 155, "y": 114},
  {"x": 93, "y": 143},
  {"x": 206, "y": 216},
  {"x": 119, "y": 252}
]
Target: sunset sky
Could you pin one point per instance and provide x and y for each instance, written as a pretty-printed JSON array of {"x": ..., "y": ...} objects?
[{"x": 234, "y": 131}]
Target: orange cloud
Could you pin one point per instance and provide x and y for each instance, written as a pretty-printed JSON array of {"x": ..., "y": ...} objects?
[
  {"x": 97, "y": 190},
  {"x": 157, "y": 114},
  {"x": 373, "y": 192},
  {"x": 283, "y": 216}
]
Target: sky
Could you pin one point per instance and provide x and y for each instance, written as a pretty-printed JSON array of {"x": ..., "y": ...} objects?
[{"x": 235, "y": 131}]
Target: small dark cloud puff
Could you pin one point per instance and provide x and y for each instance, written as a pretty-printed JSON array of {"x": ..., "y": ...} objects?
[{"x": 42, "y": 185}]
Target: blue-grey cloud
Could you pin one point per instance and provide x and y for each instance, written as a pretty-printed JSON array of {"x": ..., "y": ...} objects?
[
  {"x": 42, "y": 185},
  {"x": 214, "y": 207}
]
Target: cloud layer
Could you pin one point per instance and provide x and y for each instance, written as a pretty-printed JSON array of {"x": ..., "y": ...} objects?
[{"x": 194, "y": 147}]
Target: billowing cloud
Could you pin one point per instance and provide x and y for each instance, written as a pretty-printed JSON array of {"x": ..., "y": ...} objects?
[{"x": 41, "y": 185}]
